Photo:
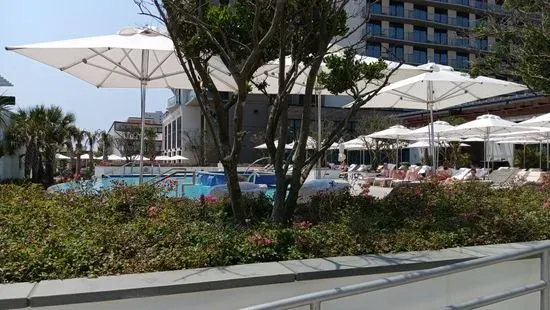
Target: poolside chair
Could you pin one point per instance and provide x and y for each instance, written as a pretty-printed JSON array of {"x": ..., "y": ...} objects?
[
  {"x": 534, "y": 177},
  {"x": 520, "y": 177},
  {"x": 502, "y": 177},
  {"x": 384, "y": 181}
]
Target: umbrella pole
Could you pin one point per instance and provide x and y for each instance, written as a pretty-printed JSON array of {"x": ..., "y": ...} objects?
[
  {"x": 540, "y": 154},
  {"x": 546, "y": 154},
  {"x": 144, "y": 70},
  {"x": 523, "y": 155}
]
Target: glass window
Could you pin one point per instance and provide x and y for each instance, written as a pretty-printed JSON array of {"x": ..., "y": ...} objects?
[
  {"x": 376, "y": 8},
  {"x": 420, "y": 55},
  {"x": 169, "y": 136},
  {"x": 462, "y": 41},
  {"x": 374, "y": 49},
  {"x": 462, "y": 61},
  {"x": 463, "y": 19},
  {"x": 440, "y": 16},
  {"x": 482, "y": 43},
  {"x": 440, "y": 57},
  {"x": 396, "y": 52},
  {"x": 174, "y": 137},
  {"x": 397, "y": 31},
  {"x": 374, "y": 28},
  {"x": 397, "y": 8},
  {"x": 420, "y": 34},
  {"x": 481, "y": 4},
  {"x": 294, "y": 126},
  {"x": 420, "y": 12},
  {"x": 440, "y": 36},
  {"x": 180, "y": 130},
  {"x": 164, "y": 136}
]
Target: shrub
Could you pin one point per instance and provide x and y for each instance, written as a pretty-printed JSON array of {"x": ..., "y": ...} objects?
[{"x": 129, "y": 229}]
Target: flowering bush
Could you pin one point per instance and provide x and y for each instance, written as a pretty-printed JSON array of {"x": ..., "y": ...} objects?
[{"x": 129, "y": 229}]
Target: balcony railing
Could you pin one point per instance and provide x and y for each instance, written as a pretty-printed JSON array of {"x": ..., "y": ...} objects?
[
  {"x": 430, "y": 17},
  {"x": 173, "y": 101},
  {"x": 462, "y": 42},
  {"x": 419, "y": 60}
]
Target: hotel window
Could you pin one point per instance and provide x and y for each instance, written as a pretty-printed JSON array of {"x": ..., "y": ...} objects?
[
  {"x": 420, "y": 12},
  {"x": 440, "y": 16},
  {"x": 374, "y": 49},
  {"x": 397, "y": 8},
  {"x": 165, "y": 137},
  {"x": 482, "y": 43},
  {"x": 374, "y": 28},
  {"x": 294, "y": 126},
  {"x": 462, "y": 61},
  {"x": 174, "y": 135},
  {"x": 396, "y": 52},
  {"x": 463, "y": 19},
  {"x": 178, "y": 125},
  {"x": 420, "y": 34},
  {"x": 420, "y": 55},
  {"x": 481, "y": 4},
  {"x": 440, "y": 57},
  {"x": 169, "y": 136},
  {"x": 376, "y": 8},
  {"x": 440, "y": 36},
  {"x": 397, "y": 31},
  {"x": 463, "y": 2}
]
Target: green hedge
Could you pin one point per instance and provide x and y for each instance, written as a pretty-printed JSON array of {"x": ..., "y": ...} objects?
[{"x": 137, "y": 229}]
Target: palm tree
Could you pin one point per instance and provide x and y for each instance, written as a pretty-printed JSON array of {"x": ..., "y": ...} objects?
[
  {"x": 105, "y": 142},
  {"x": 91, "y": 140},
  {"x": 4, "y": 112},
  {"x": 40, "y": 131},
  {"x": 77, "y": 136}
]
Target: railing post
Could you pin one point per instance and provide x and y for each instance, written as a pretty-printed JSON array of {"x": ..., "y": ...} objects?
[
  {"x": 315, "y": 305},
  {"x": 545, "y": 276}
]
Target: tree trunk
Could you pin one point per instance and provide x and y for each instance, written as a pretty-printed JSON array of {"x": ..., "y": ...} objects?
[
  {"x": 49, "y": 166},
  {"x": 235, "y": 194},
  {"x": 77, "y": 164}
]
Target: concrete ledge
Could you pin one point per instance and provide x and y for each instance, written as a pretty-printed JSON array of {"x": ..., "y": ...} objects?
[
  {"x": 57, "y": 292},
  {"x": 13, "y": 296}
]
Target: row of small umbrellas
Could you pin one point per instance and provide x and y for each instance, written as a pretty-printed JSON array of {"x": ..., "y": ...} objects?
[{"x": 114, "y": 157}]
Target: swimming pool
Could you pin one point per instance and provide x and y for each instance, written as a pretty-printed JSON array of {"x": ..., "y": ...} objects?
[{"x": 185, "y": 186}]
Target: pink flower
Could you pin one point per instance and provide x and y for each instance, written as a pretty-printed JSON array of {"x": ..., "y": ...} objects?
[
  {"x": 152, "y": 211},
  {"x": 259, "y": 240},
  {"x": 303, "y": 225},
  {"x": 546, "y": 205}
]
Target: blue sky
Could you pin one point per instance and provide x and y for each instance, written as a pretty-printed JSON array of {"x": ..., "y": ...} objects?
[{"x": 32, "y": 21}]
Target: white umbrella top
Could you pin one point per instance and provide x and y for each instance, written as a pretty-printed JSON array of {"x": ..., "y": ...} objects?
[
  {"x": 114, "y": 157},
  {"x": 276, "y": 142},
  {"x": 441, "y": 87},
  {"x": 61, "y": 156},
  {"x": 518, "y": 141},
  {"x": 115, "y": 61},
  {"x": 483, "y": 126},
  {"x": 539, "y": 121},
  {"x": 423, "y": 132},
  {"x": 137, "y": 157},
  {"x": 178, "y": 157},
  {"x": 162, "y": 158},
  {"x": 394, "y": 132}
]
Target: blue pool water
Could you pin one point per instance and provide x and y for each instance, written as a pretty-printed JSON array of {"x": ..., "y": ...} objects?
[{"x": 185, "y": 184}]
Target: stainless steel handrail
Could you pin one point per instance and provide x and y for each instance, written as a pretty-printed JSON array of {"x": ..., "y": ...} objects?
[
  {"x": 171, "y": 172},
  {"x": 314, "y": 300}
]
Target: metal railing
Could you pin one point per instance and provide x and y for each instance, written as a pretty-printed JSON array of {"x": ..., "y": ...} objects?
[
  {"x": 170, "y": 173},
  {"x": 542, "y": 250}
]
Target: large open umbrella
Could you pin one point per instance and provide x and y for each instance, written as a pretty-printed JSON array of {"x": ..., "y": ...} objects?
[
  {"x": 134, "y": 57},
  {"x": 264, "y": 146},
  {"x": 424, "y": 132},
  {"x": 438, "y": 89},
  {"x": 61, "y": 156},
  {"x": 485, "y": 127},
  {"x": 394, "y": 133}
]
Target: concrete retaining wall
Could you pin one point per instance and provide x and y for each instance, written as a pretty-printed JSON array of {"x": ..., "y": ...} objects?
[{"x": 270, "y": 281}]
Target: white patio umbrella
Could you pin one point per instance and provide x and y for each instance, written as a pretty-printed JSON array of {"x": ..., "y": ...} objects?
[
  {"x": 524, "y": 142},
  {"x": 438, "y": 89},
  {"x": 162, "y": 158},
  {"x": 178, "y": 157},
  {"x": 264, "y": 146},
  {"x": 61, "y": 156},
  {"x": 540, "y": 121},
  {"x": 87, "y": 157},
  {"x": 114, "y": 157},
  {"x": 485, "y": 127},
  {"x": 424, "y": 132},
  {"x": 426, "y": 144},
  {"x": 134, "y": 57},
  {"x": 138, "y": 157},
  {"x": 394, "y": 133}
]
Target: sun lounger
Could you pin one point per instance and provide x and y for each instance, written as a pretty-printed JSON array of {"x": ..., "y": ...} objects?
[{"x": 503, "y": 177}]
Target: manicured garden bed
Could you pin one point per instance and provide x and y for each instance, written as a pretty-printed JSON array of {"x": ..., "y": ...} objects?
[{"x": 135, "y": 229}]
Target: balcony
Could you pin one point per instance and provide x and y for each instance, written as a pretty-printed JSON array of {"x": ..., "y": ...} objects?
[
  {"x": 427, "y": 17},
  {"x": 458, "y": 64},
  {"x": 173, "y": 101},
  {"x": 459, "y": 42}
]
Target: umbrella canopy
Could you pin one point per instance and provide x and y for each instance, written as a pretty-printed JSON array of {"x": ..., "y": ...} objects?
[
  {"x": 396, "y": 132},
  {"x": 424, "y": 132},
  {"x": 178, "y": 157},
  {"x": 61, "y": 156},
  {"x": 539, "y": 121},
  {"x": 162, "y": 158},
  {"x": 134, "y": 57},
  {"x": 269, "y": 74},
  {"x": 359, "y": 143},
  {"x": 485, "y": 127},
  {"x": 87, "y": 156},
  {"x": 276, "y": 142},
  {"x": 426, "y": 144},
  {"x": 137, "y": 157},
  {"x": 114, "y": 157},
  {"x": 311, "y": 144}
]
